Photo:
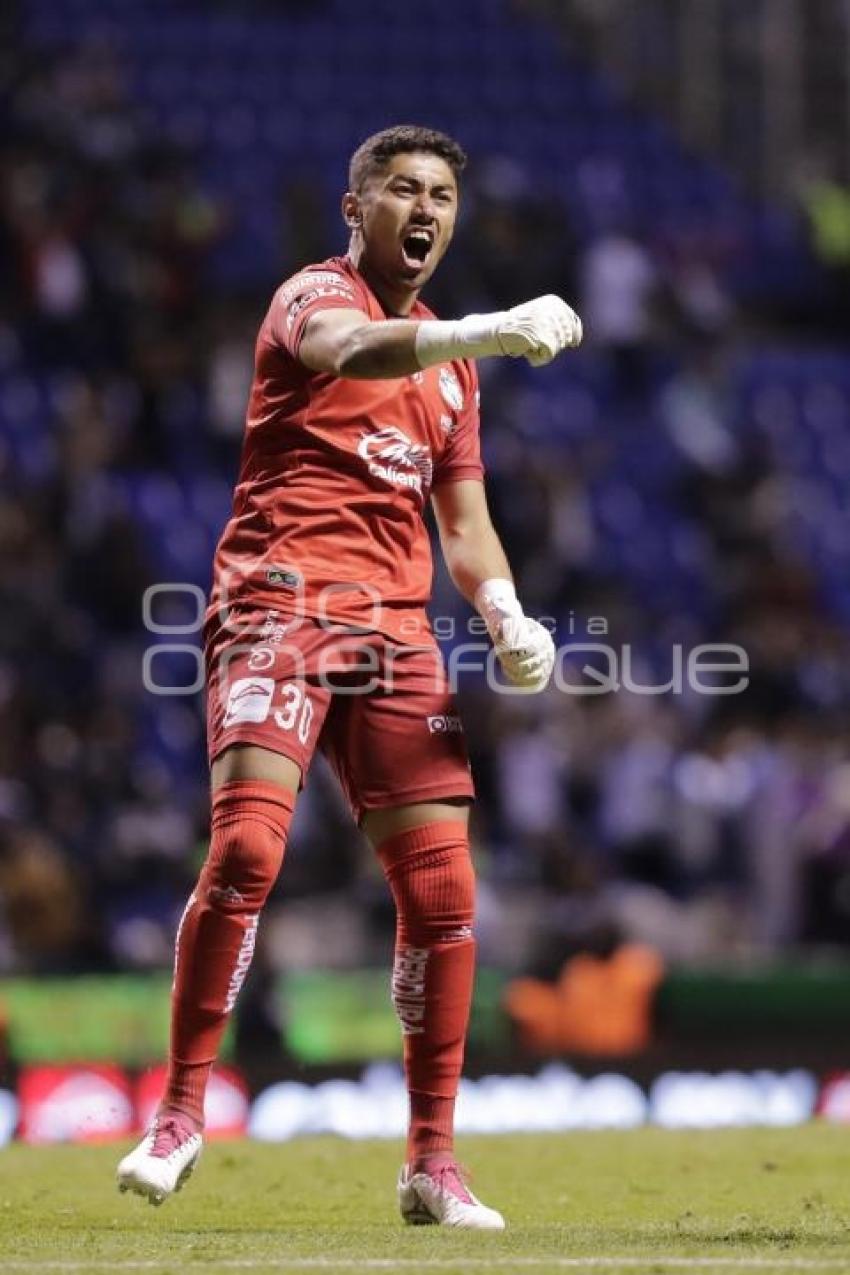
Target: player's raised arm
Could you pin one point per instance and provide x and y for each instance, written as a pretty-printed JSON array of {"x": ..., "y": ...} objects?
[
  {"x": 345, "y": 343},
  {"x": 479, "y": 569}
]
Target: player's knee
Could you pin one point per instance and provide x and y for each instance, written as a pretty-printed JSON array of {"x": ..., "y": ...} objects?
[
  {"x": 242, "y": 866},
  {"x": 434, "y": 889},
  {"x": 249, "y": 827},
  {"x": 452, "y": 904}
]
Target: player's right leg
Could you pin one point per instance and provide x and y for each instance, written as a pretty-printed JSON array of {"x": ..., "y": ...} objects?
[
  {"x": 262, "y": 729},
  {"x": 252, "y": 803}
]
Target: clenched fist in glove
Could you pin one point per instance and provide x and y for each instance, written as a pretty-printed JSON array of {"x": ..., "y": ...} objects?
[
  {"x": 525, "y": 649},
  {"x": 537, "y": 330}
]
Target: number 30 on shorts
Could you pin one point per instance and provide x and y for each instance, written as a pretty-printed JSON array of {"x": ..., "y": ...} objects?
[{"x": 297, "y": 711}]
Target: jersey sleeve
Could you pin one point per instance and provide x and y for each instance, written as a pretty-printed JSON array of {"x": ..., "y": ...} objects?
[
  {"x": 305, "y": 294},
  {"x": 462, "y": 458}
]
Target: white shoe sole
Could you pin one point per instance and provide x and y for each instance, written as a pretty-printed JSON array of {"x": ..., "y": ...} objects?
[{"x": 150, "y": 1191}]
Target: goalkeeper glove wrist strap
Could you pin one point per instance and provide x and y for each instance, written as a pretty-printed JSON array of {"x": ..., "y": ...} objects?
[
  {"x": 496, "y": 601},
  {"x": 441, "y": 340}
]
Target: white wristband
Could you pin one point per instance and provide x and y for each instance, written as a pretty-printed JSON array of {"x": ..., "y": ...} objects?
[
  {"x": 441, "y": 340},
  {"x": 496, "y": 601}
]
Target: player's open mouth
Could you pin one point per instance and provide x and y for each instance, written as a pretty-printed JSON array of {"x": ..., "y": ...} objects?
[{"x": 416, "y": 247}]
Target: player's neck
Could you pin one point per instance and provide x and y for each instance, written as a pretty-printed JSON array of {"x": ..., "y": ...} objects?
[{"x": 396, "y": 298}]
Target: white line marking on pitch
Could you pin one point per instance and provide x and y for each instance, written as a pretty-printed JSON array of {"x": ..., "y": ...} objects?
[{"x": 437, "y": 1263}]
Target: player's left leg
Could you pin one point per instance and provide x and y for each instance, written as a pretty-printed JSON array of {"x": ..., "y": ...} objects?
[
  {"x": 424, "y": 851},
  {"x": 401, "y": 758}
]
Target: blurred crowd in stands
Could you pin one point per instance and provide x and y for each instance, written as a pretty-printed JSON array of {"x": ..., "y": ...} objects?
[{"x": 684, "y": 479}]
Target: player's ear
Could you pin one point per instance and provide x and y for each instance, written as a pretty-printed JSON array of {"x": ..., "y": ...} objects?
[{"x": 352, "y": 213}]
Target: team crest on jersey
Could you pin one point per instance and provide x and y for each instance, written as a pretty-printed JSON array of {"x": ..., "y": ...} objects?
[
  {"x": 395, "y": 458},
  {"x": 450, "y": 389}
]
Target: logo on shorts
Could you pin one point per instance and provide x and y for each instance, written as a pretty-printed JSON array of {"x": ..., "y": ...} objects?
[
  {"x": 249, "y": 700},
  {"x": 395, "y": 458},
  {"x": 271, "y": 635},
  {"x": 262, "y": 657},
  {"x": 450, "y": 389},
  {"x": 445, "y": 724}
]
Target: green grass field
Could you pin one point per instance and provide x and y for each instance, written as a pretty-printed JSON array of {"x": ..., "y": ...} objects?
[{"x": 645, "y": 1201}]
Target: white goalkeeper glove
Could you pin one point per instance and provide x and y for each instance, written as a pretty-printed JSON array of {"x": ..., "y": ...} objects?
[
  {"x": 537, "y": 330},
  {"x": 524, "y": 648}
]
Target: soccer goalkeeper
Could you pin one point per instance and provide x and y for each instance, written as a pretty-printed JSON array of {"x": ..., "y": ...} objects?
[{"x": 363, "y": 408}]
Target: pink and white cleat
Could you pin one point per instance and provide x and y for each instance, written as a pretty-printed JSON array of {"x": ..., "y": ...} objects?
[
  {"x": 163, "y": 1160},
  {"x": 439, "y": 1196}
]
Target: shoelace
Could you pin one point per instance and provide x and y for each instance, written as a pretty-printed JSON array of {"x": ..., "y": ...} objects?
[
  {"x": 452, "y": 1180},
  {"x": 169, "y": 1137}
]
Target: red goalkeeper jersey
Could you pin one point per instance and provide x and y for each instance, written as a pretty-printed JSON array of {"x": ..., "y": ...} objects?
[{"x": 328, "y": 509}]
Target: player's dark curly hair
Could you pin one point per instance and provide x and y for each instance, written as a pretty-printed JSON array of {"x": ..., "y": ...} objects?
[{"x": 374, "y": 154}]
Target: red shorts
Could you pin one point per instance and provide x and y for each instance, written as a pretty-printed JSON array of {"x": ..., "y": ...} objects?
[{"x": 383, "y": 714}]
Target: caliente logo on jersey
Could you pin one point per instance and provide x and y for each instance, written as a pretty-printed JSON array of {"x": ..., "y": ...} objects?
[{"x": 395, "y": 458}]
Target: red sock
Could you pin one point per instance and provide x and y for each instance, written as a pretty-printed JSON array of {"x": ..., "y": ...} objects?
[
  {"x": 218, "y": 930},
  {"x": 430, "y": 874}
]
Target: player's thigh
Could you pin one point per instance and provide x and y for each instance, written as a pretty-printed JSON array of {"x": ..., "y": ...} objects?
[
  {"x": 250, "y": 761},
  {"x": 379, "y": 824},
  {"x": 405, "y": 746}
]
